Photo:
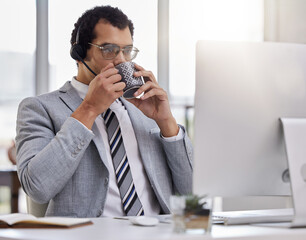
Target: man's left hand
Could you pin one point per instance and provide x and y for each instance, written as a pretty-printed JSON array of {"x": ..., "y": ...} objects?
[{"x": 154, "y": 103}]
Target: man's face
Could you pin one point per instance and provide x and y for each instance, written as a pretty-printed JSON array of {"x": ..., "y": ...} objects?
[{"x": 106, "y": 34}]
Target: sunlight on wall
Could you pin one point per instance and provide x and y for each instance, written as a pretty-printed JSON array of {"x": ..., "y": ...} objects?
[{"x": 235, "y": 20}]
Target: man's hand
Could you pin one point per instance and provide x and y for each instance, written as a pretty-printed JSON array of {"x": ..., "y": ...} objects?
[
  {"x": 103, "y": 90},
  {"x": 154, "y": 103}
]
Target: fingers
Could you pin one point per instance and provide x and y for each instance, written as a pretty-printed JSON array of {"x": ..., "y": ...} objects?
[
  {"x": 118, "y": 87},
  {"x": 108, "y": 66},
  {"x": 160, "y": 93},
  {"x": 110, "y": 72},
  {"x": 150, "y": 89},
  {"x": 138, "y": 67},
  {"x": 147, "y": 75},
  {"x": 108, "y": 81}
]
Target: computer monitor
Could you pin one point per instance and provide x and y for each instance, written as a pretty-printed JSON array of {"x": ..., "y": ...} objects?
[{"x": 242, "y": 90}]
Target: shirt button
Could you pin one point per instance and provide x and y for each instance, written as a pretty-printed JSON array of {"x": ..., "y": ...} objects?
[
  {"x": 99, "y": 213},
  {"x": 106, "y": 181}
]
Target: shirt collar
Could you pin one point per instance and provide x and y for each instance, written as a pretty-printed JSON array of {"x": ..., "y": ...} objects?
[{"x": 81, "y": 88}]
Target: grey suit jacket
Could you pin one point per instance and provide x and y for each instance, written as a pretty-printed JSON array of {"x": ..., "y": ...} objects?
[{"x": 59, "y": 161}]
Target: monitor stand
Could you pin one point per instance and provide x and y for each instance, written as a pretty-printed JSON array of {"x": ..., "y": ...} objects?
[{"x": 295, "y": 140}]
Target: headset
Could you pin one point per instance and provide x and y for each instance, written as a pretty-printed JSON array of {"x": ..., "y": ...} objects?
[{"x": 77, "y": 52}]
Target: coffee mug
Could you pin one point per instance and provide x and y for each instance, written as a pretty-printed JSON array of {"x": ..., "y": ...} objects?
[{"x": 126, "y": 70}]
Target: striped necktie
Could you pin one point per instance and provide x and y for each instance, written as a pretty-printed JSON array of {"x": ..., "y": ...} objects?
[{"x": 131, "y": 203}]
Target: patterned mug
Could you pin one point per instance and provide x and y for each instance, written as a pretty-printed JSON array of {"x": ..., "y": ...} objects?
[{"x": 126, "y": 70}]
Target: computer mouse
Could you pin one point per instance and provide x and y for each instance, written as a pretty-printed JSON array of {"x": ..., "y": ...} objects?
[{"x": 144, "y": 221}]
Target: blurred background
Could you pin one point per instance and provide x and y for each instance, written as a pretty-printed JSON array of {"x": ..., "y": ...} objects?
[{"x": 35, "y": 45}]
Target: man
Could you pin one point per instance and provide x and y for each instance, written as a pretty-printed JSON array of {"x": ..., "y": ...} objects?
[{"x": 63, "y": 154}]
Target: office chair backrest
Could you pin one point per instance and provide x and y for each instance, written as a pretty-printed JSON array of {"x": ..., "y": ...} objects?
[{"x": 36, "y": 209}]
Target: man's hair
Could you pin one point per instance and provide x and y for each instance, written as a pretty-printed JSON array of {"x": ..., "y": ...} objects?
[{"x": 87, "y": 22}]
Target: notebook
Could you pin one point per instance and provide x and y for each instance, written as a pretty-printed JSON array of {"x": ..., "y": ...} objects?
[{"x": 23, "y": 220}]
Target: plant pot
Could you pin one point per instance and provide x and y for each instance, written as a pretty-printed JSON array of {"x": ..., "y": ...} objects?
[{"x": 197, "y": 220}]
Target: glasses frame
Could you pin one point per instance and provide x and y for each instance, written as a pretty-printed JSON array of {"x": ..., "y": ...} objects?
[{"x": 120, "y": 50}]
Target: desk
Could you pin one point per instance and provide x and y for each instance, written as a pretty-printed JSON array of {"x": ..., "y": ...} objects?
[
  {"x": 115, "y": 229},
  {"x": 8, "y": 177}
]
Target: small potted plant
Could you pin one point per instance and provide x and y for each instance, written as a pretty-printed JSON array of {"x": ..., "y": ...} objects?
[{"x": 197, "y": 213}]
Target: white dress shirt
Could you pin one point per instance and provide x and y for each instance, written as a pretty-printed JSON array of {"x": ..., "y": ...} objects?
[{"x": 113, "y": 204}]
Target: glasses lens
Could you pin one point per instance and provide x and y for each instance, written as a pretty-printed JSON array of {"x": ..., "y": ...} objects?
[
  {"x": 130, "y": 53},
  {"x": 110, "y": 51}
]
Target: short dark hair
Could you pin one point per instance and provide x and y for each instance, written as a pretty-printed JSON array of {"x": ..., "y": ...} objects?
[{"x": 87, "y": 22}]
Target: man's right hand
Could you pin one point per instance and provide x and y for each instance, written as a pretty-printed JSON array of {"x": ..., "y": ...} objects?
[{"x": 103, "y": 90}]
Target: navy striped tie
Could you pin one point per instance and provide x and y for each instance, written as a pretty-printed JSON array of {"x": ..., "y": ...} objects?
[{"x": 131, "y": 203}]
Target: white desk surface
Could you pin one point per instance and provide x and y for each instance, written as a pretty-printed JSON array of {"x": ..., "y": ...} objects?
[{"x": 115, "y": 229}]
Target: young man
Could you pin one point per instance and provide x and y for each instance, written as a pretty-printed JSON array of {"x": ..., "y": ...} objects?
[{"x": 64, "y": 155}]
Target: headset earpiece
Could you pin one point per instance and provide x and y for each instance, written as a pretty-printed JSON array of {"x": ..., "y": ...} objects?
[{"x": 76, "y": 51}]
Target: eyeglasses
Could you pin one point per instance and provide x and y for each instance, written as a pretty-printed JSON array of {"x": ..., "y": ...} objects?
[{"x": 110, "y": 51}]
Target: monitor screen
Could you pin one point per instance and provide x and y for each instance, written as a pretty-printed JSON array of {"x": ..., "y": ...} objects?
[{"x": 242, "y": 90}]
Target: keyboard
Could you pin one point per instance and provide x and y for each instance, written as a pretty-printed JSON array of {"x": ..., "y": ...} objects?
[{"x": 253, "y": 216}]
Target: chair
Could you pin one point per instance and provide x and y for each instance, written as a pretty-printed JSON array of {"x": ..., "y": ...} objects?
[
  {"x": 36, "y": 209},
  {"x": 9, "y": 178}
]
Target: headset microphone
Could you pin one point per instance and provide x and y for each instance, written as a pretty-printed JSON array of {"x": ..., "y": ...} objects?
[
  {"x": 88, "y": 67},
  {"x": 77, "y": 52}
]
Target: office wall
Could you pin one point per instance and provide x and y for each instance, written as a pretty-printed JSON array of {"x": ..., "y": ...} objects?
[{"x": 285, "y": 21}]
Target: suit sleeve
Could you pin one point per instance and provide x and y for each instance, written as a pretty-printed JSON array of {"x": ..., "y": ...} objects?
[
  {"x": 180, "y": 154},
  {"x": 46, "y": 159}
]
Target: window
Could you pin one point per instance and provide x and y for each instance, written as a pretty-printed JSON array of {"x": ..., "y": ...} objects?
[
  {"x": 17, "y": 49},
  {"x": 236, "y": 20},
  {"x": 223, "y": 20}
]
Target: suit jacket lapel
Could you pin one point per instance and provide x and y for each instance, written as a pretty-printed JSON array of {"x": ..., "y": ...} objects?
[
  {"x": 71, "y": 98},
  {"x": 100, "y": 145}
]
